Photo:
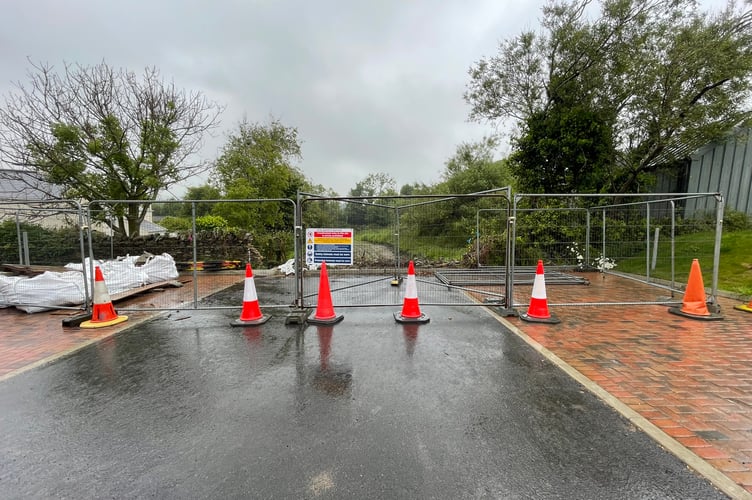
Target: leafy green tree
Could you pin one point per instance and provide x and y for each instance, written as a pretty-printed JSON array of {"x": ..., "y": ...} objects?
[
  {"x": 565, "y": 150},
  {"x": 663, "y": 76},
  {"x": 258, "y": 162},
  {"x": 96, "y": 133},
  {"x": 200, "y": 193},
  {"x": 415, "y": 188},
  {"x": 362, "y": 212},
  {"x": 472, "y": 169}
]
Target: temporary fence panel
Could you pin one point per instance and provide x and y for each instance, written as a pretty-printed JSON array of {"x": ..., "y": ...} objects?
[
  {"x": 651, "y": 238},
  {"x": 192, "y": 249},
  {"x": 438, "y": 233},
  {"x": 42, "y": 251}
]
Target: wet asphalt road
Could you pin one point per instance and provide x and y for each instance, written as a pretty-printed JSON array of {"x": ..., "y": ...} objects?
[{"x": 186, "y": 406}]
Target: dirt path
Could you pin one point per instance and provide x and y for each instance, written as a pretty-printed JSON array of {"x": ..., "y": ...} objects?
[{"x": 371, "y": 254}]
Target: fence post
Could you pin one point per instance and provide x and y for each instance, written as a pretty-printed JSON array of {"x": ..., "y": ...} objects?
[
  {"x": 717, "y": 248},
  {"x": 603, "y": 236},
  {"x": 195, "y": 254},
  {"x": 673, "y": 247},
  {"x": 647, "y": 242},
  {"x": 587, "y": 238},
  {"x": 299, "y": 254},
  {"x": 20, "y": 240},
  {"x": 397, "y": 259}
]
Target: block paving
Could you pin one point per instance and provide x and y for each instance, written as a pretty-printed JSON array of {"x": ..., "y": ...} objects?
[{"x": 690, "y": 378}]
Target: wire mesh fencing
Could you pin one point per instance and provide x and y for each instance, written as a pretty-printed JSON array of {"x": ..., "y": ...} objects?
[
  {"x": 651, "y": 238},
  {"x": 434, "y": 232},
  {"x": 42, "y": 254},
  {"x": 196, "y": 248}
]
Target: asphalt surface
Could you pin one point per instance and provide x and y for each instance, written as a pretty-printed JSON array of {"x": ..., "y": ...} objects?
[{"x": 186, "y": 406}]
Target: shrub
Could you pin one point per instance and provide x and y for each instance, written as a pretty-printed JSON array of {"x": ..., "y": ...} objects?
[
  {"x": 176, "y": 223},
  {"x": 210, "y": 223}
]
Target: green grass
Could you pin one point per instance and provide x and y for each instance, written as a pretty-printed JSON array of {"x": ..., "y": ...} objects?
[
  {"x": 735, "y": 268},
  {"x": 734, "y": 273}
]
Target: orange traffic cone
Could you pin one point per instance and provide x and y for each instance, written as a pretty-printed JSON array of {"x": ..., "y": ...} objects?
[
  {"x": 410, "y": 308},
  {"x": 251, "y": 313},
  {"x": 325, "y": 314},
  {"x": 745, "y": 307},
  {"x": 103, "y": 313},
  {"x": 694, "y": 304},
  {"x": 537, "y": 312}
]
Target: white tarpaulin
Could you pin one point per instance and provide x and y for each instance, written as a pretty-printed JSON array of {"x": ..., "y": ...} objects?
[{"x": 51, "y": 289}]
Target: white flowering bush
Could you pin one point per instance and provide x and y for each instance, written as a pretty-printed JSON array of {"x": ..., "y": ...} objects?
[
  {"x": 601, "y": 263},
  {"x": 604, "y": 263},
  {"x": 575, "y": 250}
]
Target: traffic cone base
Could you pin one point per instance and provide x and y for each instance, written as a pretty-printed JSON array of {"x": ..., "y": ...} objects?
[
  {"x": 410, "y": 308},
  {"x": 423, "y": 318},
  {"x": 103, "y": 312},
  {"x": 251, "y": 322},
  {"x": 694, "y": 305},
  {"x": 325, "y": 314},
  {"x": 551, "y": 320},
  {"x": 251, "y": 314},
  {"x": 316, "y": 320},
  {"x": 745, "y": 307},
  {"x": 705, "y": 317},
  {"x": 537, "y": 312},
  {"x": 101, "y": 324}
]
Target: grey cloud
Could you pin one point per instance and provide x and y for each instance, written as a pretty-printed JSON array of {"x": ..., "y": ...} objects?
[{"x": 371, "y": 86}]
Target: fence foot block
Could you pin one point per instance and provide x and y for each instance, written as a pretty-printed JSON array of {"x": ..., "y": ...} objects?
[{"x": 298, "y": 316}]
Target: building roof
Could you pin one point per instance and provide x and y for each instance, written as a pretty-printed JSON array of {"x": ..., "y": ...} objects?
[{"x": 21, "y": 185}]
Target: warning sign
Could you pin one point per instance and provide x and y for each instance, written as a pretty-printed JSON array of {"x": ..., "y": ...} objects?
[{"x": 335, "y": 246}]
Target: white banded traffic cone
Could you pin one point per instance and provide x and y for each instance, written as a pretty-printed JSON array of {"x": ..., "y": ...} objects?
[
  {"x": 103, "y": 312},
  {"x": 251, "y": 313},
  {"x": 410, "y": 307},
  {"x": 537, "y": 312}
]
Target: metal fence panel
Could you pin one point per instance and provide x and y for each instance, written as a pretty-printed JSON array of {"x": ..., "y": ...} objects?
[
  {"x": 38, "y": 239},
  {"x": 210, "y": 242},
  {"x": 437, "y": 233},
  {"x": 651, "y": 238}
]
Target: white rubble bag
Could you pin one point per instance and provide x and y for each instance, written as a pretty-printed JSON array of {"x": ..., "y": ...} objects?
[
  {"x": 7, "y": 290},
  {"x": 160, "y": 268},
  {"x": 48, "y": 290},
  {"x": 52, "y": 289}
]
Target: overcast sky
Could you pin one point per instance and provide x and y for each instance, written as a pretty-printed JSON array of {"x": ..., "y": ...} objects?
[{"x": 371, "y": 86}]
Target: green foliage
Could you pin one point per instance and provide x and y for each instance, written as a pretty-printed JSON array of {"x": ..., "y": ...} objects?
[
  {"x": 361, "y": 212},
  {"x": 172, "y": 223},
  {"x": 564, "y": 149},
  {"x": 167, "y": 209},
  {"x": 657, "y": 79},
  {"x": 472, "y": 169},
  {"x": 46, "y": 246},
  {"x": 101, "y": 134},
  {"x": 547, "y": 235},
  {"x": 210, "y": 223},
  {"x": 381, "y": 236},
  {"x": 256, "y": 163},
  {"x": 734, "y": 220},
  {"x": 200, "y": 193}
]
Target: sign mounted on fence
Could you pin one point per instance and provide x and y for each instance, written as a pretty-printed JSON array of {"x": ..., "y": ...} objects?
[{"x": 335, "y": 246}]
